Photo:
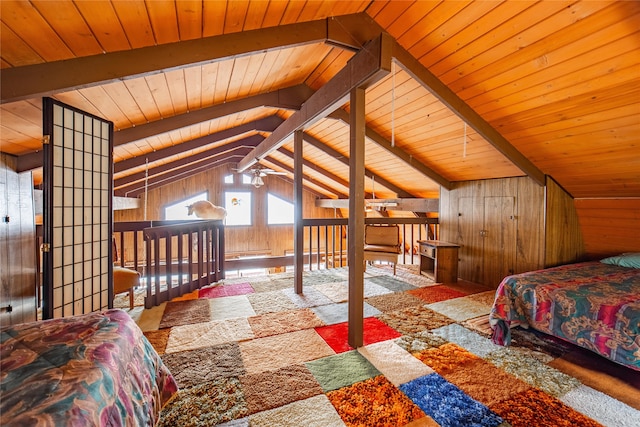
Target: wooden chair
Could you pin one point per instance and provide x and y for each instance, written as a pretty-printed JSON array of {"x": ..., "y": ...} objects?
[
  {"x": 125, "y": 280},
  {"x": 382, "y": 243}
]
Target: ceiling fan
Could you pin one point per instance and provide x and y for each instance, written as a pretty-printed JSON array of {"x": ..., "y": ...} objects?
[{"x": 258, "y": 172}]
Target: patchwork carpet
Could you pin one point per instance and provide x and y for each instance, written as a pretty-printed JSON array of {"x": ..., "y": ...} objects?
[{"x": 251, "y": 352}]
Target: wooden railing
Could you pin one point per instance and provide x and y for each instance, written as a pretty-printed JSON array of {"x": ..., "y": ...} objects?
[
  {"x": 179, "y": 257},
  {"x": 325, "y": 243}
]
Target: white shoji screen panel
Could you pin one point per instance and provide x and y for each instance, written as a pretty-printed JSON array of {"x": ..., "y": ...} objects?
[{"x": 78, "y": 190}]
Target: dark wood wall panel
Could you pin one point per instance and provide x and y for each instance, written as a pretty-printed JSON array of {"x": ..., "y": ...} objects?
[
  {"x": 609, "y": 226},
  {"x": 17, "y": 245}
]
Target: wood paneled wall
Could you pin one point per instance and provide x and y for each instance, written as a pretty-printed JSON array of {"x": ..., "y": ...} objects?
[
  {"x": 564, "y": 242},
  {"x": 509, "y": 225},
  {"x": 17, "y": 244},
  {"x": 609, "y": 226},
  {"x": 257, "y": 238}
]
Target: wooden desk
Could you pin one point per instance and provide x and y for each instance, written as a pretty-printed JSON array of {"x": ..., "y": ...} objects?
[{"x": 439, "y": 260}]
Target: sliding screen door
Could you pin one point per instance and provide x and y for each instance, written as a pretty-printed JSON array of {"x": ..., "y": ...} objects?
[{"x": 77, "y": 220}]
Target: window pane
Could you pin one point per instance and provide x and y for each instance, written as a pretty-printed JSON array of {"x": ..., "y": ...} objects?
[
  {"x": 179, "y": 210},
  {"x": 279, "y": 211},
  {"x": 238, "y": 206},
  {"x": 228, "y": 179}
]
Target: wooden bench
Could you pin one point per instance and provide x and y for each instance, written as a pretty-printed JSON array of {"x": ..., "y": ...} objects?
[{"x": 382, "y": 243}]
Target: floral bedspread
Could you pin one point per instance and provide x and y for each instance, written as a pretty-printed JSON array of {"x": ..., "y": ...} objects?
[
  {"x": 91, "y": 370},
  {"x": 591, "y": 304}
]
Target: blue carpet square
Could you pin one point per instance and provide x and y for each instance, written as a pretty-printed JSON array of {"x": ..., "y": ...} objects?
[{"x": 447, "y": 404}]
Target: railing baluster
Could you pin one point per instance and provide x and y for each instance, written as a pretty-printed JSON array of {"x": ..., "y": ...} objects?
[{"x": 190, "y": 252}]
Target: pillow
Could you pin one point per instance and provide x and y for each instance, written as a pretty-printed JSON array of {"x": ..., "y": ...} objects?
[{"x": 629, "y": 259}]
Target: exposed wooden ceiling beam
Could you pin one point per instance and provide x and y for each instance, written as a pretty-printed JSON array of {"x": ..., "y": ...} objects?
[
  {"x": 345, "y": 160},
  {"x": 318, "y": 169},
  {"x": 465, "y": 112},
  {"x": 374, "y": 136},
  {"x": 307, "y": 178},
  {"x": 178, "y": 169},
  {"x": 243, "y": 147},
  {"x": 138, "y": 188},
  {"x": 32, "y": 161},
  {"x": 352, "y": 32},
  {"x": 324, "y": 172},
  {"x": 415, "y": 205},
  {"x": 365, "y": 68},
  {"x": 267, "y": 124},
  {"x": 37, "y": 80},
  {"x": 288, "y": 98}
]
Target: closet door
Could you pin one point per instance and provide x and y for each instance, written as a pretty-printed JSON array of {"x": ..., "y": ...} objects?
[
  {"x": 468, "y": 236},
  {"x": 499, "y": 239}
]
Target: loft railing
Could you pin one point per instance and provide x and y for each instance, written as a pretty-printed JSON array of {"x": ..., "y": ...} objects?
[
  {"x": 178, "y": 257},
  {"x": 325, "y": 243},
  {"x": 174, "y": 257}
]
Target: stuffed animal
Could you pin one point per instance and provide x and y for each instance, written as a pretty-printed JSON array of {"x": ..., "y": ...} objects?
[{"x": 207, "y": 210}]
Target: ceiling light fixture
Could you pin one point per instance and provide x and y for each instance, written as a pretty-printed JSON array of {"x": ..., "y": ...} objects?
[{"x": 257, "y": 181}]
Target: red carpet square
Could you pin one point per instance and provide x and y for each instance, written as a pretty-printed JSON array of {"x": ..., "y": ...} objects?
[
  {"x": 438, "y": 293},
  {"x": 226, "y": 290},
  {"x": 374, "y": 331}
]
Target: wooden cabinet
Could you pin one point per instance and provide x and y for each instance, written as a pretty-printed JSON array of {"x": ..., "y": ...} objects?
[
  {"x": 509, "y": 226},
  {"x": 487, "y": 227},
  {"x": 439, "y": 260}
]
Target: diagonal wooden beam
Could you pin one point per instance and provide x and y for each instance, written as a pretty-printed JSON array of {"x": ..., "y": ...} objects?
[
  {"x": 176, "y": 171},
  {"x": 34, "y": 160},
  {"x": 37, "y": 80},
  {"x": 243, "y": 147},
  {"x": 307, "y": 178},
  {"x": 265, "y": 125},
  {"x": 138, "y": 188},
  {"x": 345, "y": 160},
  {"x": 288, "y": 98},
  {"x": 374, "y": 136},
  {"x": 318, "y": 169},
  {"x": 365, "y": 68},
  {"x": 465, "y": 112}
]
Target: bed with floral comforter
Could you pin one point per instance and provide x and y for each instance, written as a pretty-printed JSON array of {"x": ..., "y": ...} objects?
[
  {"x": 591, "y": 304},
  {"x": 96, "y": 369}
]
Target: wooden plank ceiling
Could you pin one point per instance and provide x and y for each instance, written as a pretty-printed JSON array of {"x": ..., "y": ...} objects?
[{"x": 528, "y": 88}]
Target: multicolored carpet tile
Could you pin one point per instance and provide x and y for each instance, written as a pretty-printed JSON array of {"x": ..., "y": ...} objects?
[{"x": 252, "y": 352}]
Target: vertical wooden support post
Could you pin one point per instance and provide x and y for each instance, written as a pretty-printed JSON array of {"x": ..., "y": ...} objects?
[
  {"x": 298, "y": 235},
  {"x": 356, "y": 218}
]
